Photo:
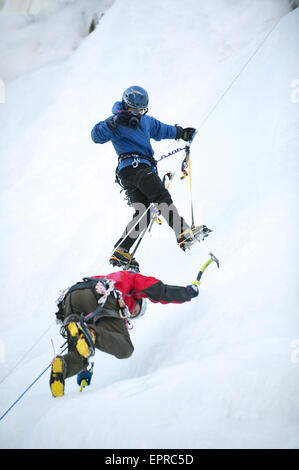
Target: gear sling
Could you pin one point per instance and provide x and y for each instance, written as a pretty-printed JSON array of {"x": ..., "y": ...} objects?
[{"x": 91, "y": 283}]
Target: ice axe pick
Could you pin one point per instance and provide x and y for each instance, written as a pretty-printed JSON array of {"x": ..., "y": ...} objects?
[{"x": 204, "y": 267}]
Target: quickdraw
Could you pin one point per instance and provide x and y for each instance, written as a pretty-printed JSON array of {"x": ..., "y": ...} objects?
[{"x": 185, "y": 163}]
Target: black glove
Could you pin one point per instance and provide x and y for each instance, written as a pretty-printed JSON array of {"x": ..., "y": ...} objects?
[
  {"x": 185, "y": 134},
  {"x": 124, "y": 118},
  {"x": 193, "y": 288}
]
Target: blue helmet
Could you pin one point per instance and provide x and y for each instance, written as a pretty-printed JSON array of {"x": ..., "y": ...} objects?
[{"x": 135, "y": 97}]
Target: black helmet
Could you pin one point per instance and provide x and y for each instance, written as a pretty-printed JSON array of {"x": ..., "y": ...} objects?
[{"x": 135, "y": 97}]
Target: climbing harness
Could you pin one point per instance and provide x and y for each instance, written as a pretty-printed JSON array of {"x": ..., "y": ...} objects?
[
  {"x": 132, "y": 159},
  {"x": 104, "y": 288}
]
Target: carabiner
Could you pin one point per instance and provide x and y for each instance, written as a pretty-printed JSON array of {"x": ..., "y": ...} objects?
[{"x": 135, "y": 162}]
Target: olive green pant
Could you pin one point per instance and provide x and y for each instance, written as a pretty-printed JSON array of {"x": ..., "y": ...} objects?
[{"x": 112, "y": 335}]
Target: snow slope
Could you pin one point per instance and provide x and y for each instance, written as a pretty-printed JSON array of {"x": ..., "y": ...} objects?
[
  {"x": 222, "y": 371},
  {"x": 37, "y": 33}
]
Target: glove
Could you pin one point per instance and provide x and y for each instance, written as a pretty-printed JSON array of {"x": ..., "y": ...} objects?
[
  {"x": 84, "y": 375},
  {"x": 185, "y": 134},
  {"x": 124, "y": 118},
  {"x": 193, "y": 288}
]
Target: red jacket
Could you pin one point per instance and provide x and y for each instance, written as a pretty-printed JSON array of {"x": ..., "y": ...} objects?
[{"x": 135, "y": 286}]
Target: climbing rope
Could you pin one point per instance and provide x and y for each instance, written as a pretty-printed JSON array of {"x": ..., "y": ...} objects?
[
  {"x": 210, "y": 112},
  {"x": 28, "y": 388},
  {"x": 204, "y": 120},
  {"x": 27, "y": 352}
]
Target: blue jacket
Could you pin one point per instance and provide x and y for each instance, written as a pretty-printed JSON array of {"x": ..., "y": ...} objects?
[{"x": 126, "y": 140}]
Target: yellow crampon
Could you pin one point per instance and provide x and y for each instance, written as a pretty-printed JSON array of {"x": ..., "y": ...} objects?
[
  {"x": 56, "y": 378},
  {"x": 81, "y": 345}
]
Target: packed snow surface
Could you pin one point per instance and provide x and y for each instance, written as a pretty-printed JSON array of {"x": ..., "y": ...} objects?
[{"x": 223, "y": 370}]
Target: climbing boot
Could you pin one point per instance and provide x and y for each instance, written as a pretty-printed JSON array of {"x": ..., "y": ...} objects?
[
  {"x": 82, "y": 336},
  {"x": 184, "y": 237},
  {"x": 58, "y": 371},
  {"x": 122, "y": 258},
  {"x": 201, "y": 232},
  {"x": 189, "y": 236}
]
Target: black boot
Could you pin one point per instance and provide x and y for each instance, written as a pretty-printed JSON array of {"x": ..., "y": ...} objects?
[{"x": 122, "y": 258}]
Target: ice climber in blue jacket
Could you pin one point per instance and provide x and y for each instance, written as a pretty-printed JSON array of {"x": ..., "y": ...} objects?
[{"x": 130, "y": 129}]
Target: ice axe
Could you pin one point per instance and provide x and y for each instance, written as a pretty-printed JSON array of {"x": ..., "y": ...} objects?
[
  {"x": 204, "y": 267},
  {"x": 84, "y": 377}
]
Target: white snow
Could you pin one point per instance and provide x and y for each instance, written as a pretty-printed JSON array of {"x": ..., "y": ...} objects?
[
  {"x": 223, "y": 370},
  {"x": 35, "y": 33}
]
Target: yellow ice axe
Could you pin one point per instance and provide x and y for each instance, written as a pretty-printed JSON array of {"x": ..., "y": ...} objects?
[
  {"x": 204, "y": 267},
  {"x": 83, "y": 384}
]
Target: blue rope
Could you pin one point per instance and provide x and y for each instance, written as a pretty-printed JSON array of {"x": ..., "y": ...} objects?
[{"x": 28, "y": 388}]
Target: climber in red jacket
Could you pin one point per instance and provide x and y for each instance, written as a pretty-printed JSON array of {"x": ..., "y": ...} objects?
[{"x": 97, "y": 313}]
